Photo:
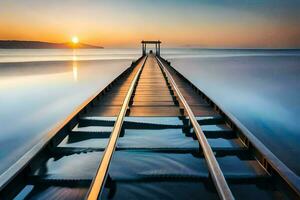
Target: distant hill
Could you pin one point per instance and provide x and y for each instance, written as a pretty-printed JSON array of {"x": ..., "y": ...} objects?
[{"x": 19, "y": 44}]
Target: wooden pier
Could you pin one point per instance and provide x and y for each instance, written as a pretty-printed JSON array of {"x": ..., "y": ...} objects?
[{"x": 150, "y": 134}]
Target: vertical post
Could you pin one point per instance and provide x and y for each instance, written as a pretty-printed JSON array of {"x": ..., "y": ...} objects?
[
  {"x": 156, "y": 49},
  {"x": 159, "y": 49},
  {"x": 144, "y": 48}
]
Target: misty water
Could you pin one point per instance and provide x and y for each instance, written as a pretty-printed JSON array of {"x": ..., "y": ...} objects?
[
  {"x": 39, "y": 88},
  {"x": 260, "y": 88}
]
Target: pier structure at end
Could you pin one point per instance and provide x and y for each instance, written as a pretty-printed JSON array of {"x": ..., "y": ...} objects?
[{"x": 157, "y": 46}]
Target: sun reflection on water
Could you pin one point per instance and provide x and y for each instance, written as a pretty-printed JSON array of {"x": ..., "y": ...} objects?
[{"x": 75, "y": 66}]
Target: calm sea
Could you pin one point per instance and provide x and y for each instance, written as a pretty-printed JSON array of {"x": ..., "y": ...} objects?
[{"x": 38, "y": 88}]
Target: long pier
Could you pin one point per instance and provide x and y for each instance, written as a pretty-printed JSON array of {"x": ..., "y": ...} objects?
[{"x": 150, "y": 134}]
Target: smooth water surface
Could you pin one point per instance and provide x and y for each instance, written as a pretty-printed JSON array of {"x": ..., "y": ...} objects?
[
  {"x": 36, "y": 96},
  {"x": 38, "y": 88},
  {"x": 28, "y": 55},
  {"x": 261, "y": 89}
]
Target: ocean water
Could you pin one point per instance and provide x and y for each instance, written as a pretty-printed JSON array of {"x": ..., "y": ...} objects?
[
  {"x": 36, "y": 95},
  {"x": 259, "y": 87},
  {"x": 38, "y": 88}
]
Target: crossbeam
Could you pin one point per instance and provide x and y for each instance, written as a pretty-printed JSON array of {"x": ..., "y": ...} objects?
[{"x": 151, "y": 41}]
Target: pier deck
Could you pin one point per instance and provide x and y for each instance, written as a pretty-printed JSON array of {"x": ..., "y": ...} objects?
[{"x": 150, "y": 134}]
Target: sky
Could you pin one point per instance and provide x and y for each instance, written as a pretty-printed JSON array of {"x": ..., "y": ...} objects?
[{"x": 181, "y": 23}]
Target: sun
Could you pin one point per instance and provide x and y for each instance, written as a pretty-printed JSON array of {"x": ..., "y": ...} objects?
[{"x": 75, "y": 40}]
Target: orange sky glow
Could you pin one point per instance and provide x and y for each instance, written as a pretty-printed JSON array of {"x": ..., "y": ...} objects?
[{"x": 115, "y": 24}]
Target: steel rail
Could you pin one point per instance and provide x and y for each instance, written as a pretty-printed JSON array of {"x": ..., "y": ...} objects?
[
  {"x": 99, "y": 180},
  {"x": 212, "y": 163}
]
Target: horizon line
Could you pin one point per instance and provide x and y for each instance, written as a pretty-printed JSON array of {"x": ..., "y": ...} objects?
[{"x": 188, "y": 46}]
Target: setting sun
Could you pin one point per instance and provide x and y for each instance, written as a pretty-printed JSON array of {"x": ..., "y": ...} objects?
[{"x": 75, "y": 40}]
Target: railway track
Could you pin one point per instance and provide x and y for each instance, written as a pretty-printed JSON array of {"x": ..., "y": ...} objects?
[{"x": 150, "y": 134}]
